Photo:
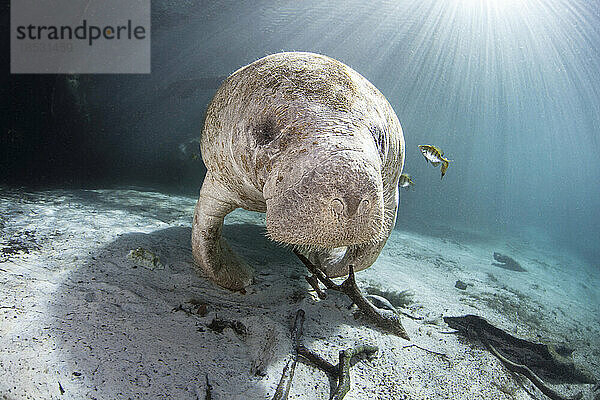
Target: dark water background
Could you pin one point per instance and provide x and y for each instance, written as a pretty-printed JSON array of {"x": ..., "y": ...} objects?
[{"x": 509, "y": 89}]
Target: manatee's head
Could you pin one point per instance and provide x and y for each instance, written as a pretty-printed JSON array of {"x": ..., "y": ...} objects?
[{"x": 325, "y": 191}]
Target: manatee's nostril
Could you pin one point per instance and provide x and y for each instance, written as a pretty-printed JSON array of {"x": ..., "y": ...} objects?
[
  {"x": 350, "y": 205},
  {"x": 337, "y": 206},
  {"x": 364, "y": 206}
]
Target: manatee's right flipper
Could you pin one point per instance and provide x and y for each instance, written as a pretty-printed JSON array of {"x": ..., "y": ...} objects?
[{"x": 211, "y": 252}]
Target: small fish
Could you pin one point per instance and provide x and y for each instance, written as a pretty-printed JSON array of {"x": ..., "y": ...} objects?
[
  {"x": 190, "y": 150},
  {"x": 435, "y": 156},
  {"x": 405, "y": 181}
]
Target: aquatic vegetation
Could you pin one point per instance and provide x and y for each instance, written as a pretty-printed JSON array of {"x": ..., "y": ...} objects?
[
  {"x": 219, "y": 324},
  {"x": 524, "y": 310},
  {"x": 145, "y": 258},
  {"x": 460, "y": 285}
]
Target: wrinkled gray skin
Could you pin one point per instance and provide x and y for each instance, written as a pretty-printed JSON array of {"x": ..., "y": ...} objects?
[{"x": 313, "y": 144}]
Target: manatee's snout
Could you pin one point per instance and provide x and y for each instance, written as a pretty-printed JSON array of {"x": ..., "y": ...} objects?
[{"x": 333, "y": 204}]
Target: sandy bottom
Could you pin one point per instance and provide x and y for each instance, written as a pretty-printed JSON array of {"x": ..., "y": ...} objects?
[{"x": 80, "y": 319}]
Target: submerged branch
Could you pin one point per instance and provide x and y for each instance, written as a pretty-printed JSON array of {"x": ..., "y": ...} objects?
[
  {"x": 283, "y": 388},
  {"x": 314, "y": 283},
  {"x": 344, "y": 368},
  {"x": 427, "y": 350},
  {"x": 385, "y": 319},
  {"x": 523, "y": 369},
  {"x": 318, "y": 361},
  {"x": 341, "y": 371},
  {"x": 208, "y": 395}
]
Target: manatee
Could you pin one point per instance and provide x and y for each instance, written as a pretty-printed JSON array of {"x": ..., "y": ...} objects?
[{"x": 314, "y": 145}]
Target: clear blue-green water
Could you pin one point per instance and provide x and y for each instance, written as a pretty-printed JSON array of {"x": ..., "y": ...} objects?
[{"x": 509, "y": 89}]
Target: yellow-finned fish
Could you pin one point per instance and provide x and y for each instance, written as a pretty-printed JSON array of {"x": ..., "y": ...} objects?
[
  {"x": 435, "y": 156},
  {"x": 405, "y": 181}
]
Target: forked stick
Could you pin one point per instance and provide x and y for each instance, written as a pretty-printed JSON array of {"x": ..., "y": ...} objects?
[
  {"x": 341, "y": 371},
  {"x": 387, "y": 320},
  {"x": 523, "y": 369}
]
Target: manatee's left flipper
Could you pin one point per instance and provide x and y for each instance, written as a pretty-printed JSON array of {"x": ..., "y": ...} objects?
[{"x": 210, "y": 250}]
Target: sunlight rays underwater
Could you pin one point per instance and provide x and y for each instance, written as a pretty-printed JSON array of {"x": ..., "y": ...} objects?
[{"x": 511, "y": 89}]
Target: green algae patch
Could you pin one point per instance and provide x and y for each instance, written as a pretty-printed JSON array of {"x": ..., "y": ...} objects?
[{"x": 145, "y": 258}]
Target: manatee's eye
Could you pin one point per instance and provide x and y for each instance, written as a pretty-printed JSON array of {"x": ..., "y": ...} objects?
[{"x": 264, "y": 132}]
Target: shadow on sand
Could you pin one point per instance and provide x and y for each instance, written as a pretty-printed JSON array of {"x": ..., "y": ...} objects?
[{"x": 124, "y": 335}]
